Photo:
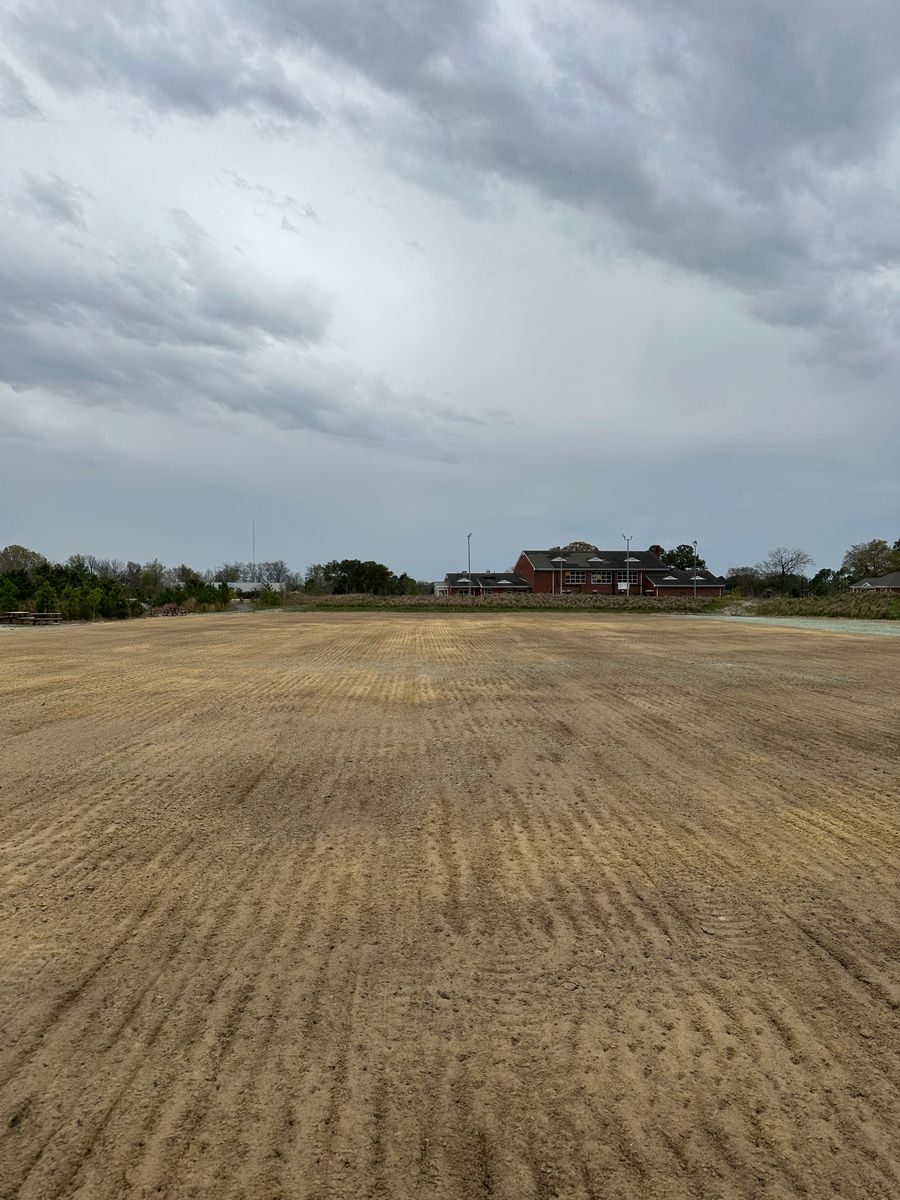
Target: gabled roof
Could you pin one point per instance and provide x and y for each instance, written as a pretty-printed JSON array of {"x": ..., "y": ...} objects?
[
  {"x": 883, "y": 581},
  {"x": 487, "y": 579},
  {"x": 596, "y": 560},
  {"x": 645, "y": 562},
  {"x": 676, "y": 578}
]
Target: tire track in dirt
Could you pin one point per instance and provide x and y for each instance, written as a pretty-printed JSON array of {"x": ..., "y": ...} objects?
[{"x": 473, "y": 906}]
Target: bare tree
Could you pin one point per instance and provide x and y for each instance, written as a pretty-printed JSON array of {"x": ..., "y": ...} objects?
[
  {"x": 229, "y": 572},
  {"x": 783, "y": 564},
  {"x": 316, "y": 579},
  {"x": 109, "y": 568},
  {"x": 19, "y": 558},
  {"x": 276, "y": 571}
]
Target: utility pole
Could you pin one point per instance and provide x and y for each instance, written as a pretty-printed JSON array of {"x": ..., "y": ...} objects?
[
  {"x": 469, "y": 560},
  {"x": 695, "y": 568},
  {"x": 627, "y": 537},
  {"x": 253, "y": 553}
]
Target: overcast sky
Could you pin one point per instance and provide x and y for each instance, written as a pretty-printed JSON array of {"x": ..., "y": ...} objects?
[{"x": 382, "y": 272}]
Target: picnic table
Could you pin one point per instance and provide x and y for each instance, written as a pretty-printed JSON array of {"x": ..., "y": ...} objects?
[{"x": 30, "y": 618}]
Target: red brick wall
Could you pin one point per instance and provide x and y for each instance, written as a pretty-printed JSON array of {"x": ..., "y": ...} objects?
[
  {"x": 524, "y": 568},
  {"x": 544, "y": 582}
]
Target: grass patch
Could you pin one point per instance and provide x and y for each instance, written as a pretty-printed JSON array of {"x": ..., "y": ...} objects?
[{"x": 881, "y": 606}]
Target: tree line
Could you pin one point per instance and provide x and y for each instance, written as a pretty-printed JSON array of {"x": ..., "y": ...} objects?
[
  {"x": 85, "y": 587},
  {"x": 784, "y": 571}
]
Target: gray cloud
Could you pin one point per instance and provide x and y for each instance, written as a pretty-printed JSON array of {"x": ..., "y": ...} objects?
[
  {"x": 285, "y": 204},
  {"x": 15, "y": 102},
  {"x": 175, "y": 58},
  {"x": 749, "y": 146},
  {"x": 175, "y": 324},
  {"x": 657, "y": 225},
  {"x": 159, "y": 292},
  {"x": 52, "y": 198}
]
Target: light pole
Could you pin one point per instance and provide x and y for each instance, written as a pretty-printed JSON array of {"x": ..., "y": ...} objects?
[
  {"x": 627, "y": 538},
  {"x": 469, "y": 559},
  {"x": 559, "y": 559},
  {"x": 695, "y": 568}
]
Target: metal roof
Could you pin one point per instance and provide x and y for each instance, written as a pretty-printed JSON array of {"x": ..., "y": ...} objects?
[
  {"x": 883, "y": 581},
  {"x": 487, "y": 579},
  {"x": 544, "y": 560}
]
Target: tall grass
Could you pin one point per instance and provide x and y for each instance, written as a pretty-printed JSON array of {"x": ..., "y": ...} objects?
[
  {"x": 299, "y": 601},
  {"x": 878, "y": 606}
]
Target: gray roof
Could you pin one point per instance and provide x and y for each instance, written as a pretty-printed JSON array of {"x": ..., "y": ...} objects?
[
  {"x": 883, "y": 581},
  {"x": 594, "y": 560},
  {"x": 643, "y": 561},
  {"x": 487, "y": 579},
  {"x": 673, "y": 577}
]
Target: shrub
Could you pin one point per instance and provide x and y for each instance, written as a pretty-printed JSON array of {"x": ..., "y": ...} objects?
[{"x": 877, "y": 606}]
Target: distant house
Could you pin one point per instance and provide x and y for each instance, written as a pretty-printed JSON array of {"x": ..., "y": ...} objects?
[
  {"x": 251, "y": 587},
  {"x": 884, "y": 583},
  {"x": 485, "y": 583},
  {"x": 635, "y": 572}
]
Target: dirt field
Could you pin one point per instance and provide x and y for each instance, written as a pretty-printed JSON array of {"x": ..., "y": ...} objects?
[{"x": 516, "y": 906}]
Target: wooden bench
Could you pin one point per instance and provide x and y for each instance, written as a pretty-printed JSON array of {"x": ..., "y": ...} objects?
[{"x": 30, "y": 618}]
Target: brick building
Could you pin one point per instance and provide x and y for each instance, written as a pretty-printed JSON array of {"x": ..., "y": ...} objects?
[
  {"x": 884, "y": 583},
  {"x": 615, "y": 572},
  {"x": 484, "y": 583}
]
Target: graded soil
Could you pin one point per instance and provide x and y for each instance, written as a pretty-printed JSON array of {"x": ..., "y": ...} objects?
[{"x": 455, "y": 906}]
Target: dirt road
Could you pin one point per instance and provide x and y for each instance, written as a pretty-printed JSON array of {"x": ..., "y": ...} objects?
[{"x": 449, "y": 906}]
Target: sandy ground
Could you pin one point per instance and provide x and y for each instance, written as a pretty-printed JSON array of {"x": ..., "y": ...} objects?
[{"x": 457, "y": 906}]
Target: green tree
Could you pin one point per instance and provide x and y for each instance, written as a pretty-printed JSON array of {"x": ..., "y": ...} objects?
[
  {"x": 268, "y": 597},
  {"x": 352, "y": 575},
  {"x": 92, "y": 598},
  {"x": 9, "y": 598},
  {"x": 407, "y": 586},
  {"x": 868, "y": 560},
  {"x": 151, "y": 580},
  {"x": 78, "y": 566},
  {"x": 45, "y": 599},
  {"x": 71, "y": 603},
  {"x": 683, "y": 557},
  {"x": 746, "y": 580},
  {"x": 186, "y": 574},
  {"x": 827, "y": 581}
]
